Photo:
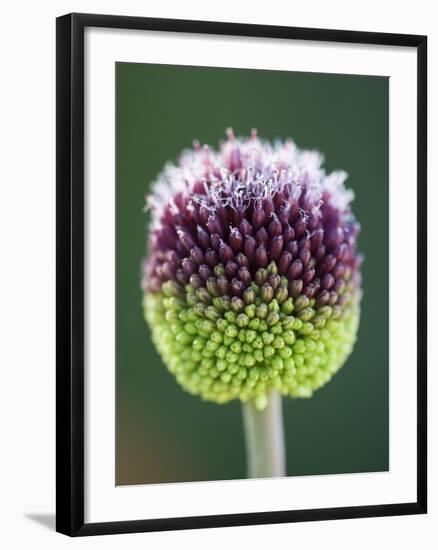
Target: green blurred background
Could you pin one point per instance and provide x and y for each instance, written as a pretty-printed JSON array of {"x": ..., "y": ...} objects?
[{"x": 164, "y": 434}]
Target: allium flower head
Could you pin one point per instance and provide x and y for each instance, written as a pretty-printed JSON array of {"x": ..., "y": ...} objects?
[{"x": 252, "y": 280}]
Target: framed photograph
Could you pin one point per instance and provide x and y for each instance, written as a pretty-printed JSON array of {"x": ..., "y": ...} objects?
[{"x": 241, "y": 274}]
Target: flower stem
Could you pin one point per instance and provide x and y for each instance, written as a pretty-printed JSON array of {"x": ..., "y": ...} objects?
[{"x": 264, "y": 437}]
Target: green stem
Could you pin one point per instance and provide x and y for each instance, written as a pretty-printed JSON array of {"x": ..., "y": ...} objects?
[{"x": 264, "y": 437}]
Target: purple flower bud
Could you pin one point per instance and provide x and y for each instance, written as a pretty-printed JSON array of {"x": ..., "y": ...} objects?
[
  {"x": 308, "y": 275},
  {"x": 304, "y": 243},
  {"x": 236, "y": 240},
  {"x": 269, "y": 208},
  {"x": 338, "y": 271},
  {"x": 323, "y": 297},
  {"x": 292, "y": 248},
  {"x": 300, "y": 228},
  {"x": 283, "y": 213},
  {"x": 180, "y": 249},
  {"x": 225, "y": 252},
  {"x": 231, "y": 269},
  {"x": 258, "y": 218},
  {"x": 341, "y": 252},
  {"x": 295, "y": 270},
  {"x": 334, "y": 237},
  {"x": 211, "y": 257},
  {"x": 328, "y": 263},
  {"x": 320, "y": 253},
  {"x": 249, "y": 247},
  {"x": 189, "y": 267},
  {"x": 288, "y": 233},
  {"x": 327, "y": 281},
  {"x": 283, "y": 264},
  {"x": 262, "y": 236},
  {"x": 316, "y": 239},
  {"x": 214, "y": 226},
  {"x": 203, "y": 237},
  {"x": 215, "y": 241},
  {"x": 185, "y": 239},
  {"x": 236, "y": 216},
  {"x": 278, "y": 201},
  {"x": 261, "y": 258},
  {"x": 275, "y": 228},
  {"x": 304, "y": 255},
  {"x": 309, "y": 290},
  {"x": 204, "y": 214},
  {"x": 165, "y": 237},
  {"x": 168, "y": 271},
  {"x": 244, "y": 275},
  {"x": 197, "y": 255},
  {"x": 204, "y": 272},
  {"x": 276, "y": 246},
  {"x": 245, "y": 227},
  {"x": 237, "y": 287}
]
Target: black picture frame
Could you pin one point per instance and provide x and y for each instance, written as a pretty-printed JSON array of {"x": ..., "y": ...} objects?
[{"x": 70, "y": 273}]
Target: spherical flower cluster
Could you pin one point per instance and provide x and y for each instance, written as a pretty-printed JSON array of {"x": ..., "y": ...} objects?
[{"x": 252, "y": 280}]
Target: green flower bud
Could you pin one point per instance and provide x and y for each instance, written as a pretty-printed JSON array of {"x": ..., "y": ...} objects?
[
  {"x": 250, "y": 310},
  {"x": 212, "y": 313},
  {"x": 273, "y": 318},
  {"x": 301, "y": 302},
  {"x": 249, "y": 296},
  {"x": 242, "y": 320},
  {"x": 261, "y": 311},
  {"x": 272, "y": 268},
  {"x": 287, "y": 306},
  {"x": 219, "y": 270},
  {"x": 237, "y": 304},
  {"x": 203, "y": 295},
  {"x": 267, "y": 293},
  {"x": 306, "y": 314}
]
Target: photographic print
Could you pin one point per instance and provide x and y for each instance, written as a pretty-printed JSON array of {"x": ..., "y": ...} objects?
[
  {"x": 241, "y": 274},
  {"x": 252, "y": 262}
]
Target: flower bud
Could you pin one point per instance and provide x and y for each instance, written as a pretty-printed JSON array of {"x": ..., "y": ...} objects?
[
  {"x": 236, "y": 240},
  {"x": 252, "y": 280},
  {"x": 295, "y": 270},
  {"x": 261, "y": 258},
  {"x": 261, "y": 276},
  {"x": 262, "y": 236},
  {"x": 267, "y": 293},
  {"x": 249, "y": 296}
]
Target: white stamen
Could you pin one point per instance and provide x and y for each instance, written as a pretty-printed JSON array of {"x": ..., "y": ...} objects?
[{"x": 265, "y": 170}]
